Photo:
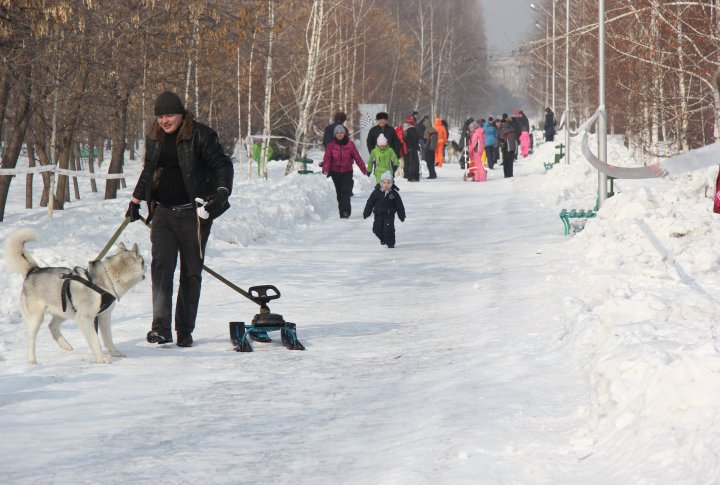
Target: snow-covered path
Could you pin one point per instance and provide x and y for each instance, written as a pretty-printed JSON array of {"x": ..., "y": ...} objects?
[{"x": 427, "y": 362}]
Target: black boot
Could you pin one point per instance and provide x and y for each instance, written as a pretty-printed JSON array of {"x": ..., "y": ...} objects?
[
  {"x": 159, "y": 337},
  {"x": 184, "y": 339}
]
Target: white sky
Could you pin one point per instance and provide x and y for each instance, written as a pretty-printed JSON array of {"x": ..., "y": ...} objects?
[{"x": 507, "y": 23}]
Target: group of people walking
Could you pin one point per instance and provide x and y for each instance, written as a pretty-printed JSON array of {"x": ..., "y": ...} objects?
[
  {"x": 387, "y": 147},
  {"x": 398, "y": 150},
  {"x": 486, "y": 140}
]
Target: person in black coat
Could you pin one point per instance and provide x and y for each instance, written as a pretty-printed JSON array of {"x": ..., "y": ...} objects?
[
  {"x": 384, "y": 202},
  {"x": 383, "y": 127},
  {"x": 329, "y": 133},
  {"x": 183, "y": 161},
  {"x": 412, "y": 158},
  {"x": 421, "y": 127},
  {"x": 549, "y": 125},
  {"x": 508, "y": 146}
]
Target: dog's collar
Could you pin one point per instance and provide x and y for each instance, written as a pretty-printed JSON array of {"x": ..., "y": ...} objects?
[{"x": 112, "y": 285}]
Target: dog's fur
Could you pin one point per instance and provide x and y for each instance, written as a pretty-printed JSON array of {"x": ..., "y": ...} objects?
[
  {"x": 454, "y": 152},
  {"x": 42, "y": 288}
]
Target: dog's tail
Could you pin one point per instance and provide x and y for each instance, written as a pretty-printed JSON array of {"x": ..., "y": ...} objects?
[{"x": 17, "y": 258}]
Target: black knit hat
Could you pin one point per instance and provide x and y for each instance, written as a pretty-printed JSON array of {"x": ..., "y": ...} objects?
[
  {"x": 169, "y": 104},
  {"x": 381, "y": 116}
]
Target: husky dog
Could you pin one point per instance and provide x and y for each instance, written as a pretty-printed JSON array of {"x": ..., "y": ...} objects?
[
  {"x": 78, "y": 294},
  {"x": 454, "y": 152}
]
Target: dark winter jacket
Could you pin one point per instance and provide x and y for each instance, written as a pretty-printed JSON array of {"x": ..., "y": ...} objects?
[
  {"x": 507, "y": 138},
  {"x": 329, "y": 134},
  {"x": 384, "y": 204},
  {"x": 524, "y": 122},
  {"x": 411, "y": 137},
  {"x": 549, "y": 123},
  {"x": 421, "y": 127},
  {"x": 516, "y": 126},
  {"x": 389, "y": 133},
  {"x": 339, "y": 157},
  {"x": 203, "y": 163}
]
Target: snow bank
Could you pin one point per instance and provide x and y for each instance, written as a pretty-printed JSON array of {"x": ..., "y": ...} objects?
[{"x": 644, "y": 325}]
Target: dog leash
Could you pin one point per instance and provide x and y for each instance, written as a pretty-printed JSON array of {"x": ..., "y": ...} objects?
[
  {"x": 113, "y": 239},
  {"x": 221, "y": 278}
]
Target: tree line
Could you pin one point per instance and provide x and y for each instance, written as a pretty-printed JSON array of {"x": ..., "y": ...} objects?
[
  {"x": 78, "y": 75},
  {"x": 661, "y": 60}
]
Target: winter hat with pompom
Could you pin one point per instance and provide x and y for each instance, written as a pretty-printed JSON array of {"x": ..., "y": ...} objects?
[{"x": 381, "y": 140}]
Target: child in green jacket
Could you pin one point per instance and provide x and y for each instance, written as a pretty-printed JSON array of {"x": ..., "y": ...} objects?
[{"x": 382, "y": 159}]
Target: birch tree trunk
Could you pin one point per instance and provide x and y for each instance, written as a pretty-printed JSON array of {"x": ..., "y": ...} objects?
[
  {"x": 420, "y": 37},
  {"x": 238, "y": 85},
  {"x": 315, "y": 27},
  {"x": 191, "y": 57},
  {"x": 682, "y": 124},
  {"x": 196, "y": 48},
  {"x": 267, "y": 123},
  {"x": 29, "y": 177},
  {"x": 249, "y": 141},
  {"x": 433, "y": 84}
]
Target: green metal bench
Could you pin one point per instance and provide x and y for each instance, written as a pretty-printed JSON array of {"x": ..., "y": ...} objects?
[
  {"x": 304, "y": 161},
  {"x": 566, "y": 215},
  {"x": 85, "y": 153},
  {"x": 558, "y": 156}
]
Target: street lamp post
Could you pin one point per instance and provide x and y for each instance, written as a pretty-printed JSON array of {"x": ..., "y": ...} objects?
[
  {"x": 553, "y": 44},
  {"x": 567, "y": 81},
  {"x": 539, "y": 8},
  {"x": 602, "y": 119},
  {"x": 546, "y": 101}
]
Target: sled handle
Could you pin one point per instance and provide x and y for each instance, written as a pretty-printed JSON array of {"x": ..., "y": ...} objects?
[{"x": 260, "y": 293}]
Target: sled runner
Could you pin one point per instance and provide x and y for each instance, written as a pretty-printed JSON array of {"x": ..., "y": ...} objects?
[{"x": 262, "y": 323}]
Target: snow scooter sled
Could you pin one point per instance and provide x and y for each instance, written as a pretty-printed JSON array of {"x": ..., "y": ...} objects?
[{"x": 263, "y": 322}]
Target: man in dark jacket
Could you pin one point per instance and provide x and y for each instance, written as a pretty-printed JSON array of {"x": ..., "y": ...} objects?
[
  {"x": 183, "y": 161},
  {"x": 421, "y": 127},
  {"x": 387, "y": 130},
  {"x": 508, "y": 145},
  {"x": 412, "y": 159},
  {"x": 549, "y": 125},
  {"x": 329, "y": 133}
]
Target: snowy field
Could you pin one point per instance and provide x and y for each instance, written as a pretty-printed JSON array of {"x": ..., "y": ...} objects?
[{"x": 486, "y": 348}]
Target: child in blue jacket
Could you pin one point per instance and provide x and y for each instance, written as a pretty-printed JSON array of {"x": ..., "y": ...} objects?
[{"x": 384, "y": 202}]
